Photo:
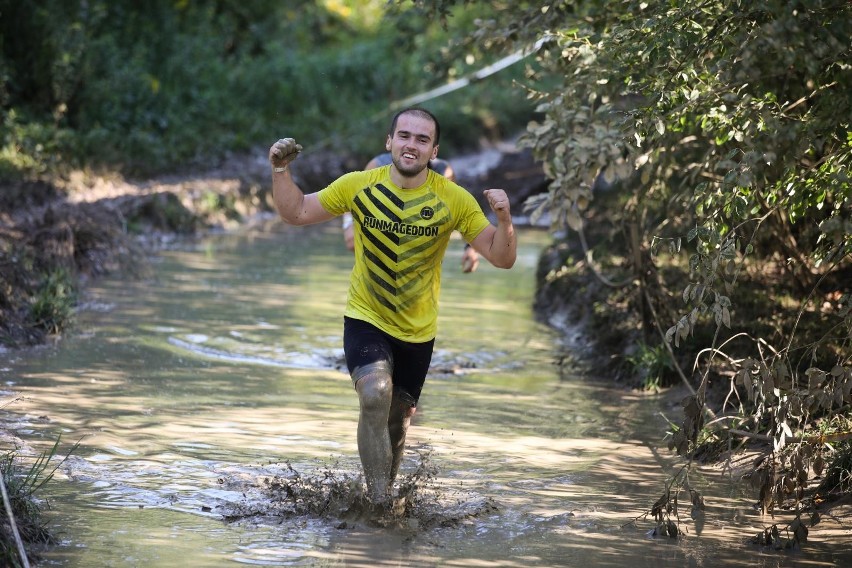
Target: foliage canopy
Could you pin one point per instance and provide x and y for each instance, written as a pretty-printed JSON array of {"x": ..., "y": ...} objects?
[
  {"x": 706, "y": 145},
  {"x": 109, "y": 85}
]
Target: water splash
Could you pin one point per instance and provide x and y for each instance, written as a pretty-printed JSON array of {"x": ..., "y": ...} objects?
[{"x": 421, "y": 502}]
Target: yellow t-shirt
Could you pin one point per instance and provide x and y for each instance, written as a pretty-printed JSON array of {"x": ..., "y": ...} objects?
[{"x": 400, "y": 239}]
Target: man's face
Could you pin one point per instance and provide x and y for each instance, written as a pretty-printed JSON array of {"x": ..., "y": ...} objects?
[{"x": 412, "y": 144}]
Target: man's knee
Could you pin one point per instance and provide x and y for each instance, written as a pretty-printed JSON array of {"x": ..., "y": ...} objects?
[
  {"x": 373, "y": 384},
  {"x": 403, "y": 399},
  {"x": 375, "y": 391},
  {"x": 403, "y": 406}
]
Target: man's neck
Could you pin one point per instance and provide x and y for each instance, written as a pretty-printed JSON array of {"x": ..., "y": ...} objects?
[{"x": 408, "y": 182}]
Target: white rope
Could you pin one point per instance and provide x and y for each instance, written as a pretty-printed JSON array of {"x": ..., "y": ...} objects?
[
  {"x": 22, "y": 552},
  {"x": 440, "y": 91},
  {"x": 465, "y": 81}
]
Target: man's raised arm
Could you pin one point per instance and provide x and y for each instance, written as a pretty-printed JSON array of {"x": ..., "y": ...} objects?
[
  {"x": 498, "y": 244},
  {"x": 292, "y": 204}
]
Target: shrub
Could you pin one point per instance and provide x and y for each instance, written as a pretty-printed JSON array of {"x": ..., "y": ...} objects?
[{"x": 53, "y": 307}]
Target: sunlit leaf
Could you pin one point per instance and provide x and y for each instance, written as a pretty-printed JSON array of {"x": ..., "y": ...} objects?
[{"x": 574, "y": 220}]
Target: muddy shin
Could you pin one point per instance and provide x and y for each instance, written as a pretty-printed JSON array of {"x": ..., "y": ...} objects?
[{"x": 374, "y": 387}]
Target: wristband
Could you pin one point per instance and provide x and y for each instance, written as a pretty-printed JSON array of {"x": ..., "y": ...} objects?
[{"x": 279, "y": 170}]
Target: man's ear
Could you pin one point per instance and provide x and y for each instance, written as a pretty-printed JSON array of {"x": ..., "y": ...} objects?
[
  {"x": 434, "y": 152},
  {"x": 388, "y": 143}
]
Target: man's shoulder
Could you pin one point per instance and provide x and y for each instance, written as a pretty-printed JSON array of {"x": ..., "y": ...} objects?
[
  {"x": 349, "y": 180},
  {"x": 449, "y": 188},
  {"x": 356, "y": 176}
]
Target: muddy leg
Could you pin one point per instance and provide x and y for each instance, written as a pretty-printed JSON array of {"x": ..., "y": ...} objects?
[
  {"x": 375, "y": 389},
  {"x": 401, "y": 412}
]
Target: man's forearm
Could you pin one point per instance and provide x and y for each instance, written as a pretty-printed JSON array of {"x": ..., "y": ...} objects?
[
  {"x": 504, "y": 246},
  {"x": 289, "y": 200},
  {"x": 287, "y": 197}
]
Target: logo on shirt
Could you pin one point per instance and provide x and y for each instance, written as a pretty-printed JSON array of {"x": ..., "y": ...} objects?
[
  {"x": 427, "y": 213},
  {"x": 398, "y": 228}
]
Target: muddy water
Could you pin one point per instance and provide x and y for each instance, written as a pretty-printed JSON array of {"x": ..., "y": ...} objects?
[{"x": 217, "y": 428}]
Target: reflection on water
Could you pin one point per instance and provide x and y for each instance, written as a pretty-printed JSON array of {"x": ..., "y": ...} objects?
[{"x": 196, "y": 392}]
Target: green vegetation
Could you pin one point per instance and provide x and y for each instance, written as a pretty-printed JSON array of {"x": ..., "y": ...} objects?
[
  {"x": 651, "y": 364},
  {"x": 723, "y": 233},
  {"x": 181, "y": 84},
  {"x": 53, "y": 307},
  {"x": 838, "y": 476},
  {"x": 21, "y": 484}
]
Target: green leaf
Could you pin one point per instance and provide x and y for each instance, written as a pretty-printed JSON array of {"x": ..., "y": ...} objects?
[
  {"x": 690, "y": 236},
  {"x": 574, "y": 220}
]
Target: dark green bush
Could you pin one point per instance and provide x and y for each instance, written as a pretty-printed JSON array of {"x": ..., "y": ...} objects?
[
  {"x": 184, "y": 84},
  {"x": 53, "y": 307}
]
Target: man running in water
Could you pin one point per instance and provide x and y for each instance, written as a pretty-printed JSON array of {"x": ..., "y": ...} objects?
[{"x": 404, "y": 214}]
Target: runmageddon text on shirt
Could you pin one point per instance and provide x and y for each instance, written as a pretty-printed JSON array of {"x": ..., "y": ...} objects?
[{"x": 399, "y": 228}]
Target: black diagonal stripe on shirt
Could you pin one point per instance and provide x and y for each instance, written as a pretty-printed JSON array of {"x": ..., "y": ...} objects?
[
  {"x": 384, "y": 301},
  {"x": 380, "y": 264},
  {"x": 415, "y": 287},
  {"x": 413, "y": 298},
  {"x": 412, "y": 271},
  {"x": 400, "y": 204},
  {"x": 381, "y": 283},
  {"x": 380, "y": 206},
  {"x": 362, "y": 207},
  {"x": 416, "y": 250},
  {"x": 373, "y": 238},
  {"x": 366, "y": 212}
]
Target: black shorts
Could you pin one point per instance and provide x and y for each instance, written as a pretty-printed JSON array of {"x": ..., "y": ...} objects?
[{"x": 364, "y": 343}]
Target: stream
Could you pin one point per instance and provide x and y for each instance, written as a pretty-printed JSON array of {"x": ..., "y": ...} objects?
[{"x": 216, "y": 426}]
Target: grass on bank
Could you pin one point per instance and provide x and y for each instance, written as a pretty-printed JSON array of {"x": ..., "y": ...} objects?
[
  {"x": 53, "y": 306},
  {"x": 22, "y": 525}
]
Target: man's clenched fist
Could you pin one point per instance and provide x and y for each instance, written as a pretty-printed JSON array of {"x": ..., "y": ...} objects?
[
  {"x": 283, "y": 152},
  {"x": 499, "y": 202}
]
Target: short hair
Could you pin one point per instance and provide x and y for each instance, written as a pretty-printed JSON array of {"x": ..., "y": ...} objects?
[{"x": 422, "y": 113}]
